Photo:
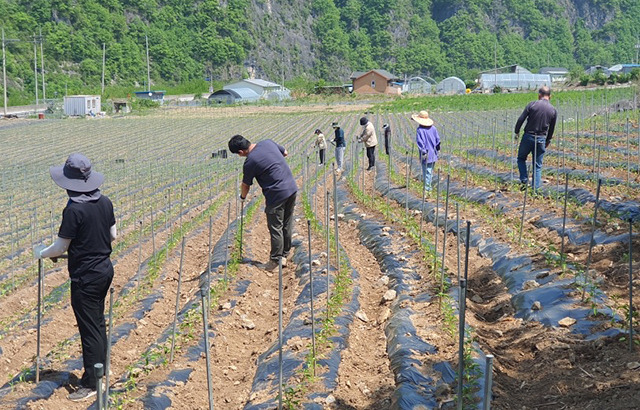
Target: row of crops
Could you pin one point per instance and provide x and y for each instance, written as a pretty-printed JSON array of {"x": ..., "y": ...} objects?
[{"x": 545, "y": 259}]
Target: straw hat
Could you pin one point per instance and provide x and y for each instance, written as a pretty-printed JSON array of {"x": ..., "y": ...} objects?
[
  {"x": 422, "y": 118},
  {"x": 76, "y": 174}
]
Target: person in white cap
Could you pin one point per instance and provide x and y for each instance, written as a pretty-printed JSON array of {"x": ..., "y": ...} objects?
[
  {"x": 428, "y": 142},
  {"x": 88, "y": 227}
]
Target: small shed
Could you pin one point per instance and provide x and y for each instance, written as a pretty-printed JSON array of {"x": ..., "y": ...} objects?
[
  {"x": 558, "y": 74},
  {"x": 451, "y": 85},
  {"x": 375, "y": 82},
  {"x": 157, "y": 96},
  {"x": 598, "y": 68},
  {"x": 80, "y": 105},
  {"x": 121, "y": 106},
  {"x": 234, "y": 96}
]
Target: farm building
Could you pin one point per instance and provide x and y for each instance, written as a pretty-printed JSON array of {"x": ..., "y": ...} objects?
[
  {"x": 623, "y": 68},
  {"x": 121, "y": 106},
  {"x": 262, "y": 88},
  {"x": 375, "y": 82},
  {"x": 235, "y": 96},
  {"x": 81, "y": 105},
  {"x": 157, "y": 96},
  {"x": 558, "y": 74},
  {"x": 598, "y": 68},
  {"x": 518, "y": 79},
  {"x": 451, "y": 85},
  {"x": 418, "y": 85}
]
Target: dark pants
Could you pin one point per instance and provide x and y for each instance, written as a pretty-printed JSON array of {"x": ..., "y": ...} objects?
[
  {"x": 321, "y": 152},
  {"x": 87, "y": 301},
  {"x": 530, "y": 144},
  {"x": 371, "y": 155},
  {"x": 280, "y": 223}
]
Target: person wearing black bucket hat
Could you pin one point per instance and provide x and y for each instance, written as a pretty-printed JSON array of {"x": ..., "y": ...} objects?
[{"x": 88, "y": 227}]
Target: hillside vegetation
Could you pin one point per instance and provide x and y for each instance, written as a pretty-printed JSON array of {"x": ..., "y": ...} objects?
[{"x": 307, "y": 40}]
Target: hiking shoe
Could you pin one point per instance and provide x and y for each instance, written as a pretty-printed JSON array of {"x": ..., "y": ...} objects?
[
  {"x": 82, "y": 394},
  {"x": 270, "y": 266},
  {"x": 523, "y": 186}
]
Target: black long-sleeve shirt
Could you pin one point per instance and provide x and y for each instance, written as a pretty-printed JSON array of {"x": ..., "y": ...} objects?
[
  {"x": 339, "y": 138},
  {"x": 541, "y": 119}
]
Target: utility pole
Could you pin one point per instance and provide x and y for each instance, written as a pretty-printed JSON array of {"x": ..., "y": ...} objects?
[
  {"x": 103, "y": 60},
  {"x": 637, "y": 46},
  {"x": 4, "y": 74},
  {"x": 35, "y": 66},
  {"x": 148, "y": 73},
  {"x": 44, "y": 89}
]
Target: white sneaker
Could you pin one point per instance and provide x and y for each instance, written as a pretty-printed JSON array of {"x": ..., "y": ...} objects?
[{"x": 284, "y": 262}]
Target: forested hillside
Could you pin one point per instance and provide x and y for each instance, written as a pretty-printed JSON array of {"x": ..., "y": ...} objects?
[{"x": 304, "y": 39}]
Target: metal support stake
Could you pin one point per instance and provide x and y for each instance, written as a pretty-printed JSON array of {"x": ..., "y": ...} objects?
[
  {"x": 205, "y": 324},
  {"x": 593, "y": 231},
  {"x": 313, "y": 317},
  {"x": 488, "y": 381},
  {"x": 630, "y": 284},
  {"x": 226, "y": 241},
  {"x": 175, "y": 317},
  {"x": 328, "y": 251},
  {"x": 444, "y": 238},
  {"x": 98, "y": 370},
  {"x": 39, "y": 320},
  {"x": 241, "y": 226},
  {"x": 280, "y": 333},
  {"x": 461, "y": 326},
  {"x": 108, "y": 364}
]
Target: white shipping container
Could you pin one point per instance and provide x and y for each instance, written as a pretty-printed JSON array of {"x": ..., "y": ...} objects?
[{"x": 82, "y": 105}]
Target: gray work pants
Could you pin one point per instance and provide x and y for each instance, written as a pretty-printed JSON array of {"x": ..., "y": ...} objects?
[{"x": 280, "y": 223}]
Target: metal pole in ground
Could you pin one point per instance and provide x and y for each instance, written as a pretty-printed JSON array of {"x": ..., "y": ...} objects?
[
  {"x": 488, "y": 382},
  {"x": 209, "y": 262},
  {"x": 424, "y": 189},
  {"x": 461, "y": 326},
  {"x": 328, "y": 250},
  {"x": 458, "y": 237},
  {"x": 466, "y": 251},
  {"x": 175, "y": 317},
  {"x": 280, "y": 333},
  {"x": 435, "y": 223},
  {"x": 39, "y": 320},
  {"x": 181, "y": 205},
  {"x": 406, "y": 195},
  {"x": 241, "y": 226},
  {"x": 313, "y": 316},
  {"x": 335, "y": 220},
  {"x": 108, "y": 363},
  {"x": 630, "y": 284},
  {"x": 226, "y": 241},
  {"x": 98, "y": 370},
  {"x": 205, "y": 324},
  {"x": 524, "y": 207},
  {"x": 139, "y": 260},
  {"x": 593, "y": 231},
  {"x": 389, "y": 179},
  {"x": 444, "y": 238},
  {"x": 564, "y": 217},
  {"x": 153, "y": 236}
]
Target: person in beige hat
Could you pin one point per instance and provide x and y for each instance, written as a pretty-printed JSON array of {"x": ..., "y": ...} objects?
[
  {"x": 370, "y": 140},
  {"x": 428, "y": 142}
]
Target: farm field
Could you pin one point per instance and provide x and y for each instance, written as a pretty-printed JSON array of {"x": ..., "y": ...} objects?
[{"x": 377, "y": 274}]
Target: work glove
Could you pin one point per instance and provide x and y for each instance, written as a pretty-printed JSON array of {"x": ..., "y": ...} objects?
[
  {"x": 517, "y": 136},
  {"x": 37, "y": 250},
  {"x": 242, "y": 199},
  {"x": 424, "y": 156}
]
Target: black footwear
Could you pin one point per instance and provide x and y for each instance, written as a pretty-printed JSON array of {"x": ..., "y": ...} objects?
[
  {"x": 82, "y": 394},
  {"x": 523, "y": 186},
  {"x": 270, "y": 266},
  {"x": 370, "y": 168}
]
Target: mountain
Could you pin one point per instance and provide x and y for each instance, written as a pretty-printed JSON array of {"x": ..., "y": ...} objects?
[{"x": 304, "y": 39}]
